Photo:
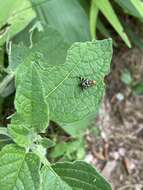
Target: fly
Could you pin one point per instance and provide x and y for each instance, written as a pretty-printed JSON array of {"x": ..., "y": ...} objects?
[{"x": 86, "y": 83}]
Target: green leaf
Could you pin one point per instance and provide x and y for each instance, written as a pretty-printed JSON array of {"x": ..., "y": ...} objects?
[
  {"x": 68, "y": 17},
  {"x": 47, "y": 43},
  {"x": 4, "y": 140},
  {"x": 3, "y": 131},
  {"x": 66, "y": 148},
  {"x": 1, "y": 61},
  {"x": 126, "y": 77},
  {"x": 80, "y": 175},
  {"x": 20, "y": 133},
  {"x": 59, "y": 150},
  {"x": 51, "y": 45},
  {"x": 135, "y": 37},
  {"x": 138, "y": 89},
  {"x": 32, "y": 110},
  {"x": 13, "y": 17},
  {"x": 19, "y": 170},
  {"x": 30, "y": 103},
  {"x": 7, "y": 85},
  {"x": 46, "y": 142},
  {"x": 106, "y": 8},
  {"x": 93, "y": 19},
  {"x": 67, "y": 101},
  {"x": 78, "y": 128},
  {"x": 132, "y": 7},
  {"x": 104, "y": 31},
  {"x": 51, "y": 181}
]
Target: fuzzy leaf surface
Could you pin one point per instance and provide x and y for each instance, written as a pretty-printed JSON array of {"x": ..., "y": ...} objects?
[
  {"x": 80, "y": 175},
  {"x": 30, "y": 102},
  {"x": 18, "y": 169},
  {"x": 51, "y": 181},
  {"x": 32, "y": 113},
  {"x": 67, "y": 101}
]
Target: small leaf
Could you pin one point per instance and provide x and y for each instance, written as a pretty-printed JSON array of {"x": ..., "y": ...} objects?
[
  {"x": 19, "y": 170},
  {"x": 138, "y": 89},
  {"x": 20, "y": 133},
  {"x": 51, "y": 181},
  {"x": 106, "y": 8},
  {"x": 30, "y": 101},
  {"x": 126, "y": 77},
  {"x": 59, "y": 150},
  {"x": 32, "y": 110},
  {"x": 46, "y": 143},
  {"x": 80, "y": 175},
  {"x": 66, "y": 148}
]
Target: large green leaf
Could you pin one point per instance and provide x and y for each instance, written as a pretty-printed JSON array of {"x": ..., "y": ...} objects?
[
  {"x": 15, "y": 14},
  {"x": 80, "y": 175},
  {"x": 47, "y": 43},
  {"x": 51, "y": 181},
  {"x": 67, "y": 101},
  {"x": 68, "y": 17},
  {"x": 106, "y": 8},
  {"x": 18, "y": 169}
]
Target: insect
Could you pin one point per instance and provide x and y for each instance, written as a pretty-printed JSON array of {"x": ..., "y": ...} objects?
[{"x": 85, "y": 83}]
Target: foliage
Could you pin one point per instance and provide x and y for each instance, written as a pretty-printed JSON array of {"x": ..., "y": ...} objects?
[
  {"x": 126, "y": 77},
  {"x": 36, "y": 82},
  {"x": 48, "y": 49},
  {"x": 106, "y": 7}
]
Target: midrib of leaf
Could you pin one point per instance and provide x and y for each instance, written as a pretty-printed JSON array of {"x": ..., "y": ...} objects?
[
  {"x": 83, "y": 182},
  {"x": 4, "y": 140},
  {"x": 58, "y": 85},
  {"x": 56, "y": 175},
  {"x": 47, "y": 164},
  {"x": 43, "y": 91},
  {"x": 19, "y": 169},
  {"x": 78, "y": 170}
]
